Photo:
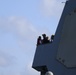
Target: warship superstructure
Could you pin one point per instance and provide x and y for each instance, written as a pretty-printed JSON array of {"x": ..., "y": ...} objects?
[{"x": 59, "y": 57}]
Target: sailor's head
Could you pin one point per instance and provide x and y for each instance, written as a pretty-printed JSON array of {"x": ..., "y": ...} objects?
[
  {"x": 39, "y": 37},
  {"x": 44, "y": 35}
]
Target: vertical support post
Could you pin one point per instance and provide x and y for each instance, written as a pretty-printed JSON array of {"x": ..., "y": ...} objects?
[{"x": 43, "y": 73}]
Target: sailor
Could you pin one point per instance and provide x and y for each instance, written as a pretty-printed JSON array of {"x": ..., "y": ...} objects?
[{"x": 39, "y": 41}]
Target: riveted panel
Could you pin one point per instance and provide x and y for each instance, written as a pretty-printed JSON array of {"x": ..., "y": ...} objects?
[{"x": 67, "y": 46}]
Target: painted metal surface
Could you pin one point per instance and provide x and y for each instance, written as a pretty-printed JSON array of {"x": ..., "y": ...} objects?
[
  {"x": 49, "y": 56},
  {"x": 67, "y": 46}
]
